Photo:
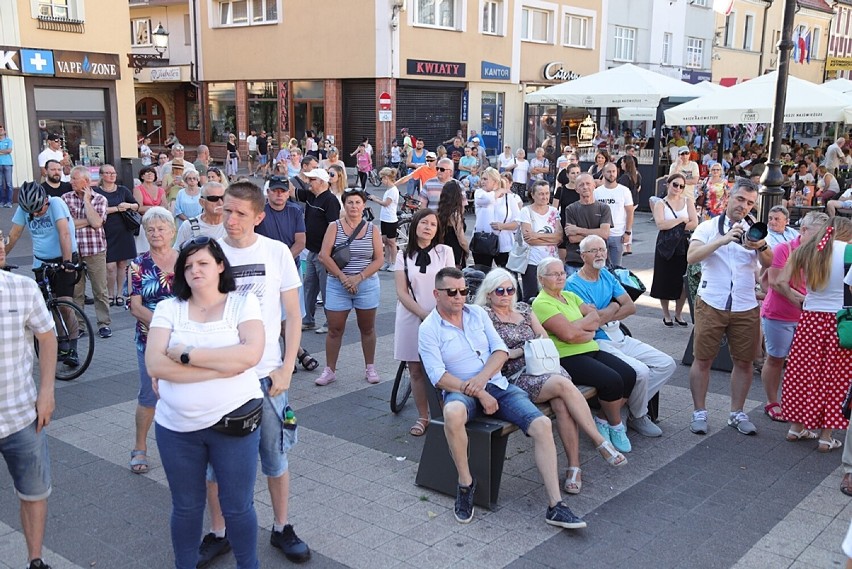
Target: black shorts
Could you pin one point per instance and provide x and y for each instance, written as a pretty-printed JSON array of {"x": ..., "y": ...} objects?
[
  {"x": 62, "y": 282},
  {"x": 389, "y": 229}
]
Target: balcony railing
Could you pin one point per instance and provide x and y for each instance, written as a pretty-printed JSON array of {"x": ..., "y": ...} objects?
[{"x": 61, "y": 24}]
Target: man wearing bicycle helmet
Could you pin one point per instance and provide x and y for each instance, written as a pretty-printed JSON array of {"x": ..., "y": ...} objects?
[{"x": 54, "y": 241}]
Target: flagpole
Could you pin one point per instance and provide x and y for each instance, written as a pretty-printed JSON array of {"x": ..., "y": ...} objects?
[{"x": 772, "y": 178}]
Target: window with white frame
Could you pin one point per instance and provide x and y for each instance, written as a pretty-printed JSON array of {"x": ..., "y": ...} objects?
[
  {"x": 536, "y": 25},
  {"x": 667, "y": 48},
  {"x": 730, "y": 29},
  {"x": 140, "y": 32},
  {"x": 438, "y": 13},
  {"x": 247, "y": 12},
  {"x": 576, "y": 31},
  {"x": 694, "y": 52},
  {"x": 748, "y": 32},
  {"x": 815, "y": 34},
  {"x": 625, "y": 44},
  {"x": 492, "y": 17},
  {"x": 58, "y": 9}
]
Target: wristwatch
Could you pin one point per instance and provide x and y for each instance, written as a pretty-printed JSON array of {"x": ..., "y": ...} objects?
[
  {"x": 628, "y": 233},
  {"x": 763, "y": 248},
  {"x": 184, "y": 357}
]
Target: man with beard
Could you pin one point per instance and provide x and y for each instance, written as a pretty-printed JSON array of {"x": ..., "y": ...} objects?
[
  {"x": 53, "y": 184},
  {"x": 620, "y": 202}
]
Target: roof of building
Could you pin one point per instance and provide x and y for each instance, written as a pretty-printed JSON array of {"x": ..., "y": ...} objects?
[{"x": 820, "y": 5}]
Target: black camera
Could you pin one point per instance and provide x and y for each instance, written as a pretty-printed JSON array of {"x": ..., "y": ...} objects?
[{"x": 757, "y": 230}]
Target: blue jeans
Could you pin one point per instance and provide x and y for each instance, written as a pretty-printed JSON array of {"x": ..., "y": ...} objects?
[
  {"x": 28, "y": 461},
  {"x": 614, "y": 249},
  {"x": 514, "y": 405},
  {"x": 6, "y": 188},
  {"x": 234, "y": 459},
  {"x": 314, "y": 283}
]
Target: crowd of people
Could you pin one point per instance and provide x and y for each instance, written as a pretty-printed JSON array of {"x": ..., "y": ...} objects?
[{"x": 222, "y": 270}]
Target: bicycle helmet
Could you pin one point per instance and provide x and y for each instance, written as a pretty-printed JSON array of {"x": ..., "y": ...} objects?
[{"x": 31, "y": 197}]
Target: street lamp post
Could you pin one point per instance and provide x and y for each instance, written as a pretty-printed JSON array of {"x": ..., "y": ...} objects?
[
  {"x": 160, "y": 40},
  {"x": 772, "y": 178}
]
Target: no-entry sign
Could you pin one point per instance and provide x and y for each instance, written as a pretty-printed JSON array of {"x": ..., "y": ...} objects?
[{"x": 384, "y": 102}]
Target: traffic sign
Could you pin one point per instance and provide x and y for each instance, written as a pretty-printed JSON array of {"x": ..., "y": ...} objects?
[
  {"x": 385, "y": 102},
  {"x": 385, "y": 116}
]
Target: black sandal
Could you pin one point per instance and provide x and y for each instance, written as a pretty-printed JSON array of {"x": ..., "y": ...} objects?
[{"x": 308, "y": 362}]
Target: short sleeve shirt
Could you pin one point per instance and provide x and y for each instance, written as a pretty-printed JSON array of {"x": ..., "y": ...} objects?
[
  {"x": 775, "y": 306},
  {"x": 282, "y": 225},
  {"x": 617, "y": 198},
  {"x": 599, "y": 293},
  {"x": 152, "y": 285},
  {"x": 6, "y": 159},
  {"x": 545, "y": 307},
  {"x": 90, "y": 240},
  {"x": 586, "y": 216},
  {"x": 727, "y": 275},
  {"x": 43, "y": 230}
]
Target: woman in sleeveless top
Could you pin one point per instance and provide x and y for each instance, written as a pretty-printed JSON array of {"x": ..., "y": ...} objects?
[
  {"x": 148, "y": 194},
  {"x": 355, "y": 285},
  {"x": 673, "y": 210}
]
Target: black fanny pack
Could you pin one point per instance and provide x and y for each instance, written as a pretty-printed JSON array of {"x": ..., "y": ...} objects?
[{"x": 242, "y": 421}]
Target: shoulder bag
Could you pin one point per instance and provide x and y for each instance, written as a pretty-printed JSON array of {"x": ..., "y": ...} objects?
[
  {"x": 487, "y": 242},
  {"x": 132, "y": 220},
  {"x": 519, "y": 256},
  {"x": 671, "y": 242},
  {"x": 341, "y": 254},
  {"x": 541, "y": 357}
]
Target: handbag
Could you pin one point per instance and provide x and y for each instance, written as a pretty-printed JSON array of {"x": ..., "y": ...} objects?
[
  {"x": 341, "y": 254},
  {"x": 844, "y": 315},
  {"x": 132, "y": 220},
  {"x": 519, "y": 255},
  {"x": 488, "y": 242},
  {"x": 671, "y": 242},
  {"x": 242, "y": 421},
  {"x": 541, "y": 357}
]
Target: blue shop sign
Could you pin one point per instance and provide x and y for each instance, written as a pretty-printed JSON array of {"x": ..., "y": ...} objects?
[{"x": 495, "y": 71}]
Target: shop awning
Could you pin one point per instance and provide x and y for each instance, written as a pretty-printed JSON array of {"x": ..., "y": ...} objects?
[
  {"x": 624, "y": 86},
  {"x": 728, "y": 81},
  {"x": 752, "y": 102}
]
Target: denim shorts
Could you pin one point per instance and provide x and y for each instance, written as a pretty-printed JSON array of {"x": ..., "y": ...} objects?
[
  {"x": 514, "y": 405},
  {"x": 146, "y": 397},
  {"x": 778, "y": 336},
  {"x": 28, "y": 461},
  {"x": 339, "y": 299}
]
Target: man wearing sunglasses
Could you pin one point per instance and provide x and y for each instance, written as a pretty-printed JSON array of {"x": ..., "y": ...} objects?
[
  {"x": 463, "y": 354},
  {"x": 210, "y": 221},
  {"x": 430, "y": 191},
  {"x": 425, "y": 171},
  {"x": 600, "y": 289}
]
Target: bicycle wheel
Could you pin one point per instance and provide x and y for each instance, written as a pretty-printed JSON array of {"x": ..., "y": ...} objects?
[
  {"x": 66, "y": 368},
  {"x": 373, "y": 176},
  {"x": 401, "y": 388},
  {"x": 402, "y": 233}
]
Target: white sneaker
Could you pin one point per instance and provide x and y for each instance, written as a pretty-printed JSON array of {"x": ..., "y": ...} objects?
[{"x": 322, "y": 329}]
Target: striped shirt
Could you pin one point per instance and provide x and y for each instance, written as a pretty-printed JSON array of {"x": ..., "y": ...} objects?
[
  {"x": 361, "y": 250},
  {"x": 22, "y": 314}
]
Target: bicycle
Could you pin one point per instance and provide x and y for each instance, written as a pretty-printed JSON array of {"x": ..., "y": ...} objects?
[{"x": 71, "y": 363}]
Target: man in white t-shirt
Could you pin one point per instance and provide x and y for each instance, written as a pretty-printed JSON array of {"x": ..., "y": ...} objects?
[
  {"x": 266, "y": 268},
  {"x": 726, "y": 303},
  {"x": 54, "y": 152},
  {"x": 209, "y": 223},
  {"x": 251, "y": 144},
  {"x": 620, "y": 202}
]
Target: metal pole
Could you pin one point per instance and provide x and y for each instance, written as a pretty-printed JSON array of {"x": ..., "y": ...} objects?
[{"x": 772, "y": 177}]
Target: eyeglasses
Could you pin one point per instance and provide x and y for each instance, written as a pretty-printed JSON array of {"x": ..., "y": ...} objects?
[
  {"x": 452, "y": 292},
  {"x": 594, "y": 251},
  {"x": 504, "y": 291},
  {"x": 214, "y": 198},
  {"x": 441, "y": 169},
  {"x": 561, "y": 275},
  {"x": 199, "y": 241},
  {"x": 107, "y": 173},
  {"x": 679, "y": 186}
]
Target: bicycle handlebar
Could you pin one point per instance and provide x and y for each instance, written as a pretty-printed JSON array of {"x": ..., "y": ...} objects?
[{"x": 8, "y": 268}]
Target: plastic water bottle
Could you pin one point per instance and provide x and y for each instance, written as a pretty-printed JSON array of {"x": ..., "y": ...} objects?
[{"x": 289, "y": 418}]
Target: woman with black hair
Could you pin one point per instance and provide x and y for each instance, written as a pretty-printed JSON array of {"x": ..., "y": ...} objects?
[
  {"x": 451, "y": 220},
  {"x": 202, "y": 347},
  {"x": 415, "y": 272}
]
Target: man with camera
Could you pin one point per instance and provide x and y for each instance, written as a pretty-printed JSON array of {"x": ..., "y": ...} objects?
[{"x": 729, "y": 248}]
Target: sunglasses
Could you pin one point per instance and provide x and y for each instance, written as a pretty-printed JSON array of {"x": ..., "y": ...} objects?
[
  {"x": 199, "y": 241},
  {"x": 504, "y": 291},
  {"x": 452, "y": 292},
  {"x": 679, "y": 186},
  {"x": 430, "y": 160},
  {"x": 332, "y": 175},
  {"x": 440, "y": 169},
  {"x": 214, "y": 198}
]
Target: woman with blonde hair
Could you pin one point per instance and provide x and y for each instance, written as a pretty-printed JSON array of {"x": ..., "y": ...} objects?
[
  {"x": 337, "y": 181},
  {"x": 232, "y": 163},
  {"x": 496, "y": 210},
  {"x": 818, "y": 369},
  {"x": 388, "y": 217}
]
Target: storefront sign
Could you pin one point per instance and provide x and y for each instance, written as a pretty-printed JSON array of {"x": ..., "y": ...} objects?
[
  {"x": 554, "y": 71},
  {"x": 165, "y": 73},
  {"x": 586, "y": 132},
  {"x": 465, "y": 103},
  {"x": 495, "y": 71},
  {"x": 84, "y": 65},
  {"x": 283, "y": 105},
  {"x": 37, "y": 62},
  {"x": 838, "y": 63},
  {"x": 435, "y": 68},
  {"x": 694, "y": 77}
]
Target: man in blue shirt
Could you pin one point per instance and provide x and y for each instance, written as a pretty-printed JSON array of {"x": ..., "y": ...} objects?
[
  {"x": 599, "y": 288},
  {"x": 6, "y": 188},
  {"x": 463, "y": 355}
]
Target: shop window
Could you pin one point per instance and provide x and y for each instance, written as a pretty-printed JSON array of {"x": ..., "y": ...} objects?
[
  {"x": 576, "y": 31},
  {"x": 536, "y": 25},
  {"x": 140, "y": 32},
  {"x": 263, "y": 106},
  {"x": 80, "y": 118},
  {"x": 246, "y": 12},
  {"x": 193, "y": 109},
  {"x": 308, "y": 107},
  {"x": 694, "y": 52},
  {"x": 222, "y": 106},
  {"x": 437, "y": 13},
  {"x": 625, "y": 44},
  {"x": 492, "y": 17},
  {"x": 57, "y": 9}
]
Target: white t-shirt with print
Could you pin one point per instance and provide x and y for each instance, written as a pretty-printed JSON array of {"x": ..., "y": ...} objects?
[
  {"x": 617, "y": 199},
  {"x": 266, "y": 269},
  {"x": 547, "y": 223}
]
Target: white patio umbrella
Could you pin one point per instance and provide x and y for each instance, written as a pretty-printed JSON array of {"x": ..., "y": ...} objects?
[
  {"x": 637, "y": 113},
  {"x": 624, "y": 86},
  {"x": 841, "y": 85},
  {"x": 751, "y": 102},
  {"x": 707, "y": 87}
]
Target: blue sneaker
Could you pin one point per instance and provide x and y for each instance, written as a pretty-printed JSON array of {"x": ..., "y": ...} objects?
[
  {"x": 618, "y": 436},
  {"x": 561, "y": 515},
  {"x": 603, "y": 429}
]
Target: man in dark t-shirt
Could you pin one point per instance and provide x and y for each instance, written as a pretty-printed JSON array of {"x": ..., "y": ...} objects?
[
  {"x": 584, "y": 217},
  {"x": 52, "y": 181},
  {"x": 455, "y": 153},
  {"x": 262, "y": 154}
]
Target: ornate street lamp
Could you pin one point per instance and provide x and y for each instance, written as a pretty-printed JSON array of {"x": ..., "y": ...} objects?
[{"x": 160, "y": 39}]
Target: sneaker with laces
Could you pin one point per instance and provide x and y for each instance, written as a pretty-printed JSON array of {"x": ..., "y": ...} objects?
[
  {"x": 212, "y": 547},
  {"x": 372, "y": 375},
  {"x": 37, "y": 564},
  {"x": 69, "y": 358},
  {"x": 311, "y": 326},
  {"x": 104, "y": 332},
  {"x": 327, "y": 376},
  {"x": 740, "y": 422},
  {"x": 699, "y": 422},
  {"x": 322, "y": 329},
  {"x": 644, "y": 426},
  {"x": 618, "y": 436},
  {"x": 561, "y": 515},
  {"x": 463, "y": 510},
  {"x": 288, "y": 542}
]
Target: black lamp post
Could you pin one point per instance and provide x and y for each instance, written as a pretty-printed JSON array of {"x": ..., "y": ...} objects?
[
  {"x": 160, "y": 39},
  {"x": 772, "y": 178}
]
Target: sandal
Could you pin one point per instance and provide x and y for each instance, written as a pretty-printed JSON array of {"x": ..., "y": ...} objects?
[
  {"x": 418, "y": 429},
  {"x": 774, "y": 412},
  {"x": 829, "y": 445},
  {"x": 112, "y": 301},
  {"x": 307, "y": 360},
  {"x": 803, "y": 435},
  {"x": 119, "y": 301},
  {"x": 612, "y": 456},
  {"x": 573, "y": 483},
  {"x": 138, "y": 462}
]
